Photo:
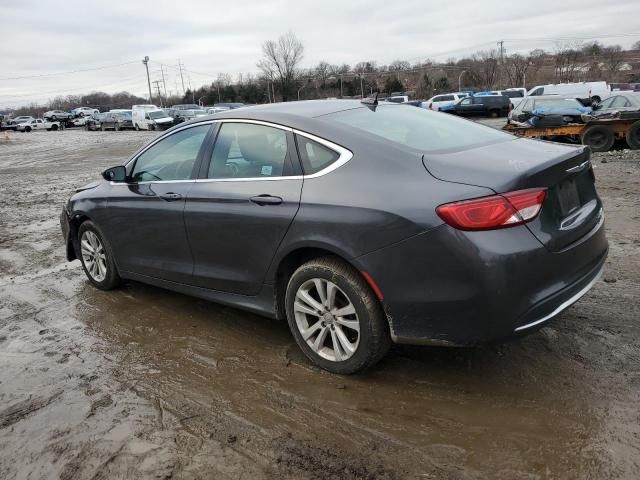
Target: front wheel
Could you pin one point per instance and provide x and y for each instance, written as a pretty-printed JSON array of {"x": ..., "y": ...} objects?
[
  {"x": 96, "y": 257},
  {"x": 335, "y": 317},
  {"x": 137, "y": 127}
]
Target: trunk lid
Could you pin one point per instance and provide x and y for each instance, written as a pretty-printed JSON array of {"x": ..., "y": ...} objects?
[{"x": 572, "y": 207}]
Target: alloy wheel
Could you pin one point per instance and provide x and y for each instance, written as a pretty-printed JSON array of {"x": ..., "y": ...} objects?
[
  {"x": 327, "y": 319},
  {"x": 93, "y": 256}
]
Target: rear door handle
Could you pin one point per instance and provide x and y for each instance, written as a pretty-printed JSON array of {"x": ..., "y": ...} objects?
[
  {"x": 171, "y": 197},
  {"x": 266, "y": 200}
]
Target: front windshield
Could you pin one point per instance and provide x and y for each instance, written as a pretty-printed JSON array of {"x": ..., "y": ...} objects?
[
  {"x": 199, "y": 113},
  {"x": 418, "y": 128},
  {"x": 157, "y": 115},
  {"x": 557, "y": 103}
]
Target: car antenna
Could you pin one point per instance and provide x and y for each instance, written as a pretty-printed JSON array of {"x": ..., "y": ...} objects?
[{"x": 371, "y": 102}]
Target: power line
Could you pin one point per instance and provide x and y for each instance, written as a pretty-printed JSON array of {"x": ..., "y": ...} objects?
[{"x": 69, "y": 72}]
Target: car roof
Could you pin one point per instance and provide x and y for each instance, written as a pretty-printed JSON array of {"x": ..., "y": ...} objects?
[{"x": 302, "y": 115}]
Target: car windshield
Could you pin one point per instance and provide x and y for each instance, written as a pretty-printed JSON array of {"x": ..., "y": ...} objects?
[
  {"x": 157, "y": 115},
  {"x": 419, "y": 129},
  {"x": 199, "y": 112},
  {"x": 557, "y": 103}
]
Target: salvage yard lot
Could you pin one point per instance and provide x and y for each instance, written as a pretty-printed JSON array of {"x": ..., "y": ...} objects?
[{"x": 145, "y": 383}]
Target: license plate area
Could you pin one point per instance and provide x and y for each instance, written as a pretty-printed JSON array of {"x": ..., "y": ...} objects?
[{"x": 568, "y": 197}]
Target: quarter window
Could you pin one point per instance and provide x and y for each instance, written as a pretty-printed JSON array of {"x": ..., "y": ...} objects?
[
  {"x": 314, "y": 156},
  {"x": 245, "y": 150},
  {"x": 172, "y": 158}
]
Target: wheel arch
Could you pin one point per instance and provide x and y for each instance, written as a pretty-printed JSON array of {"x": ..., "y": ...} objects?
[
  {"x": 72, "y": 241},
  {"x": 294, "y": 258}
]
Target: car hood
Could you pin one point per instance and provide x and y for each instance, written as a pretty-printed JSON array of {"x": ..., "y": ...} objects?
[{"x": 89, "y": 186}]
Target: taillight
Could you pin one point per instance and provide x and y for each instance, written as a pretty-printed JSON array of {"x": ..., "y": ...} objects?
[{"x": 497, "y": 211}]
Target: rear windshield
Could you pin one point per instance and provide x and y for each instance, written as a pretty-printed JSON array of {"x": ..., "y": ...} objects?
[{"x": 419, "y": 128}]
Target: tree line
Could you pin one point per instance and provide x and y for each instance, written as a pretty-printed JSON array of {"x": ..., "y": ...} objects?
[{"x": 281, "y": 76}]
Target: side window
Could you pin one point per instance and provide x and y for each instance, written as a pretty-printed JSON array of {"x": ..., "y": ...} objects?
[
  {"x": 538, "y": 91},
  {"x": 619, "y": 101},
  {"x": 314, "y": 156},
  {"x": 439, "y": 98},
  {"x": 245, "y": 150},
  {"x": 608, "y": 102},
  {"x": 172, "y": 158},
  {"x": 466, "y": 101}
]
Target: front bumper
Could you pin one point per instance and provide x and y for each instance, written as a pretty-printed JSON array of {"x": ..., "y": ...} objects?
[{"x": 448, "y": 287}]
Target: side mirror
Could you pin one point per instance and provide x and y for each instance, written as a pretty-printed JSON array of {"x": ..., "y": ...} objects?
[{"x": 115, "y": 174}]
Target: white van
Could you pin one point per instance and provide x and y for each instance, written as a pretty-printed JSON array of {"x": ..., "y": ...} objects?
[
  {"x": 595, "y": 90},
  {"x": 150, "y": 117}
]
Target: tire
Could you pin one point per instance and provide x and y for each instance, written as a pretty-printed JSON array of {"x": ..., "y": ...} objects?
[
  {"x": 367, "y": 344},
  {"x": 103, "y": 273},
  {"x": 53, "y": 117},
  {"x": 137, "y": 127},
  {"x": 494, "y": 113},
  {"x": 102, "y": 129},
  {"x": 152, "y": 127},
  {"x": 27, "y": 129},
  {"x": 54, "y": 127},
  {"x": 633, "y": 136},
  {"x": 117, "y": 127},
  {"x": 599, "y": 138}
]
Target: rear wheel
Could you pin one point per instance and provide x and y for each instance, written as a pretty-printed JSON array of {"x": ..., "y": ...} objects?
[
  {"x": 137, "y": 127},
  {"x": 335, "y": 317},
  {"x": 96, "y": 257},
  {"x": 633, "y": 136},
  {"x": 27, "y": 129},
  {"x": 54, "y": 127},
  {"x": 117, "y": 128},
  {"x": 599, "y": 138},
  {"x": 494, "y": 113},
  {"x": 102, "y": 128}
]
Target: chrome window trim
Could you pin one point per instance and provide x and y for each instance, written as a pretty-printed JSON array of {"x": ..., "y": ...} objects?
[
  {"x": 162, "y": 137},
  {"x": 344, "y": 155}
]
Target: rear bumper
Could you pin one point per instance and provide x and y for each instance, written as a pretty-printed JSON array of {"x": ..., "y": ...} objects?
[{"x": 448, "y": 287}]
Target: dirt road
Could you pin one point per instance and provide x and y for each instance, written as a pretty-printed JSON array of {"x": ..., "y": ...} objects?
[{"x": 145, "y": 383}]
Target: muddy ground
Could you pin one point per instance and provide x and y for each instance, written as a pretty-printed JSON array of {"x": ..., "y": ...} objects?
[{"x": 145, "y": 383}]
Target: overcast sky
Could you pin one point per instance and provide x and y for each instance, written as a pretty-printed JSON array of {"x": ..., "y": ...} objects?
[{"x": 41, "y": 37}]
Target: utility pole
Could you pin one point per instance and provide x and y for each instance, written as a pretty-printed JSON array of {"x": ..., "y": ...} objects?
[
  {"x": 501, "y": 43},
  {"x": 164, "y": 85},
  {"x": 157, "y": 85},
  {"x": 181, "y": 77},
  {"x": 145, "y": 61},
  {"x": 341, "y": 86},
  {"x": 362, "y": 84}
]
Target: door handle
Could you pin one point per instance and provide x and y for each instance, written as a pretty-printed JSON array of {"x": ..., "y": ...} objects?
[
  {"x": 266, "y": 200},
  {"x": 171, "y": 197}
]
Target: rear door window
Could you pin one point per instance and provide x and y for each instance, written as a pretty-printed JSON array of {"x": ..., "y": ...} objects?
[{"x": 314, "y": 156}]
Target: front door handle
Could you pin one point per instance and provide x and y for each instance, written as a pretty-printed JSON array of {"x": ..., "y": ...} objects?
[
  {"x": 171, "y": 197},
  {"x": 266, "y": 200}
]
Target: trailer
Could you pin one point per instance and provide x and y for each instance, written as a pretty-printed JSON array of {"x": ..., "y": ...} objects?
[{"x": 599, "y": 134}]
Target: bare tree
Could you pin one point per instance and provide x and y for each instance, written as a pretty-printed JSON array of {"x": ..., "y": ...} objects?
[
  {"x": 569, "y": 61},
  {"x": 636, "y": 46},
  {"x": 516, "y": 66},
  {"x": 613, "y": 60},
  {"x": 280, "y": 61},
  {"x": 487, "y": 67},
  {"x": 322, "y": 71},
  {"x": 399, "y": 65}
]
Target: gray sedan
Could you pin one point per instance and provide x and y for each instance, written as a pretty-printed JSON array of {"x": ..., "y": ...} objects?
[{"x": 360, "y": 224}]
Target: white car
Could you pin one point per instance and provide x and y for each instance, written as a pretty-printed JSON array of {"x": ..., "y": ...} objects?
[
  {"x": 84, "y": 111},
  {"x": 445, "y": 99},
  {"x": 38, "y": 124},
  {"x": 596, "y": 90},
  {"x": 212, "y": 110},
  {"x": 57, "y": 115}
]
